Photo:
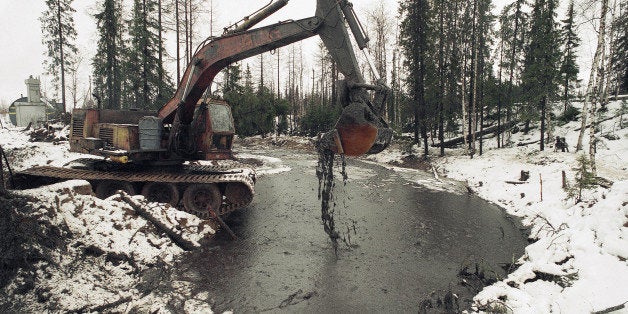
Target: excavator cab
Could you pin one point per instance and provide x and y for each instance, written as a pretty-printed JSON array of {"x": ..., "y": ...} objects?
[{"x": 214, "y": 131}]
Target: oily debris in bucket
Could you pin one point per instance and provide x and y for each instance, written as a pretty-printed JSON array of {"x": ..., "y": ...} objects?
[{"x": 326, "y": 184}]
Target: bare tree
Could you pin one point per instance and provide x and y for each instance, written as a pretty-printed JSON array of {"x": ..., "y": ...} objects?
[{"x": 74, "y": 82}]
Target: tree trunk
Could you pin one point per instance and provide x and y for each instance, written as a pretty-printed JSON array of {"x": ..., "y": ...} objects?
[
  {"x": 599, "y": 95},
  {"x": 474, "y": 78},
  {"x": 160, "y": 71},
  {"x": 566, "y": 93},
  {"x": 611, "y": 50},
  {"x": 187, "y": 32},
  {"x": 61, "y": 54},
  {"x": 596, "y": 60},
  {"x": 178, "y": 31},
  {"x": 463, "y": 92},
  {"x": 513, "y": 57},
  {"x": 441, "y": 65},
  {"x": 191, "y": 29},
  {"x": 460, "y": 139},
  {"x": 481, "y": 114},
  {"x": 543, "y": 104},
  {"x": 499, "y": 92}
]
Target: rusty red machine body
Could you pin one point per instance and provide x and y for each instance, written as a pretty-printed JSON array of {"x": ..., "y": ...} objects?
[
  {"x": 157, "y": 154},
  {"x": 121, "y": 136}
]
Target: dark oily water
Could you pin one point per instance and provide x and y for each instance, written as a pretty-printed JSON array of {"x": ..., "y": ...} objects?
[{"x": 326, "y": 185}]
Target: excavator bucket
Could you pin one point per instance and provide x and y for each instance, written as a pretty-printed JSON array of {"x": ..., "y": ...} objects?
[
  {"x": 360, "y": 129},
  {"x": 357, "y": 132}
]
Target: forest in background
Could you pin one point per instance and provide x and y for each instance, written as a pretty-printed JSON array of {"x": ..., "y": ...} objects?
[{"x": 455, "y": 68}]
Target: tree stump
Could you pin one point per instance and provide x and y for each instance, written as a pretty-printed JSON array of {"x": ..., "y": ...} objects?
[{"x": 525, "y": 175}]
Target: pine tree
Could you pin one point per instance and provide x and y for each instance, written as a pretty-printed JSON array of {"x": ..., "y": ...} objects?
[
  {"x": 515, "y": 43},
  {"x": 569, "y": 68},
  {"x": 414, "y": 40},
  {"x": 107, "y": 63},
  {"x": 584, "y": 178},
  {"x": 148, "y": 86},
  {"x": 619, "y": 59},
  {"x": 59, "y": 35},
  {"x": 233, "y": 76},
  {"x": 542, "y": 54}
]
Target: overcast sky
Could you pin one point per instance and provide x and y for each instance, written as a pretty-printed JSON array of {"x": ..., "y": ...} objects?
[{"x": 22, "y": 52}]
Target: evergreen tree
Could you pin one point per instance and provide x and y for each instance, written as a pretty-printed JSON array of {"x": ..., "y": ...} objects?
[
  {"x": 59, "y": 34},
  {"x": 540, "y": 71},
  {"x": 584, "y": 178},
  {"x": 619, "y": 59},
  {"x": 515, "y": 22},
  {"x": 233, "y": 76},
  {"x": 107, "y": 62},
  {"x": 147, "y": 90},
  {"x": 414, "y": 41},
  {"x": 569, "y": 67}
]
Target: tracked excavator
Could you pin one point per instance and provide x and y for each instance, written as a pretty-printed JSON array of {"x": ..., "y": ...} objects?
[{"x": 157, "y": 153}]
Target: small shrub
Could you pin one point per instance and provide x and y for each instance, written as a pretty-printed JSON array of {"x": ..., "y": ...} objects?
[{"x": 585, "y": 179}]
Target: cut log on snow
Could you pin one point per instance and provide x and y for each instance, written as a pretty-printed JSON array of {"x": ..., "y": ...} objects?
[
  {"x": 174, "y": 236},
  {"x": 612, "y": 309},
  {"x": 528, "y": 143},
  {"x": 104, "y": 307},
  {"x": 598, "y": 122},
  {"x": 459, "y": 140}
]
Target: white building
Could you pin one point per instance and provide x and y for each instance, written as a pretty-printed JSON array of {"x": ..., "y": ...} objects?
[{"x": 30, "y": 109}]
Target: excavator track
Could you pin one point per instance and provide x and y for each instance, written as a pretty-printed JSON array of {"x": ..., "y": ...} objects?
[{"x": 233, "y": 183}]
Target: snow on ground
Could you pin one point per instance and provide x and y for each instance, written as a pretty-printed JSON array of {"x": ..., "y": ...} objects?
[
  {"x": 23, "y": 153},
  {"x": 578, "y": 262},
  {"x": 105, "y": 253},
  {"x": 265, "y": 165},
  {"x": 93, "y": 252}
]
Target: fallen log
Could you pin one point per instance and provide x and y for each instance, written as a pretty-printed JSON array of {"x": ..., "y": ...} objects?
[
  {"x": 598, "y": 122},
  {"x": 527, "y": 143},
  {"x": 612, "y": 309},
  {"x": 176, "y": 238},
  {"x": 103, "y": 307},
  {"x": 222, "y": 223},
  {"x": 460, "y": 139}
]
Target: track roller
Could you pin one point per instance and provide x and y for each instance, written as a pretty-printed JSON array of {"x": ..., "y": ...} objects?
[
  {"x": 107, "y": 188},
  {"x": 161, "y": 192},
  {"x": 198, "y": 197},
  {"x": 238, "y": 193}
]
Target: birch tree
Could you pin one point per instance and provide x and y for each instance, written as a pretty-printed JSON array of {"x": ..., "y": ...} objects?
[{"x": 599, "y": 51}]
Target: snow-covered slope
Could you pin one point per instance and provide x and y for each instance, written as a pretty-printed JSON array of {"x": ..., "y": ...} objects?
[{"x": 577, "y": 263}]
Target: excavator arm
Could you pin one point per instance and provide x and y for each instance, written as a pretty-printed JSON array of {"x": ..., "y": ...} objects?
[
  {"x": 360, "y": 128},
  {"x": 220, "y": 52}
]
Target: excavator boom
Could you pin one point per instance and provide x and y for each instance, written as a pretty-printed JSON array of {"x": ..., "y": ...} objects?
[{"x": 220, "y": 52}]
